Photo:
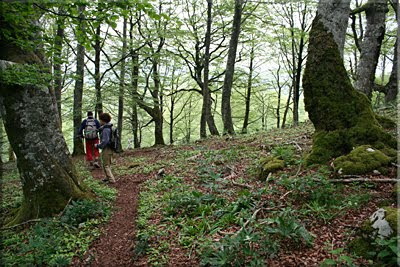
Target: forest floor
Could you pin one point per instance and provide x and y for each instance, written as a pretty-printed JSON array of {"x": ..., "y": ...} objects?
[
  {"x": 195, "y": 199},
  {"x": 203, "y": 204}
]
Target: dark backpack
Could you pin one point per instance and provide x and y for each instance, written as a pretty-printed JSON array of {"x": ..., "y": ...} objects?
[
  {"x": 91, "y": 129},
  {"x": 114, "y": 140}
]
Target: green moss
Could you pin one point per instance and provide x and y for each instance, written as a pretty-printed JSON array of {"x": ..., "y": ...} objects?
[
  {"x": 391, "y": 215},
  {"x": 361, "y": 247},
  {"x": 396, "y": 192},
  {"x": 363, "y": 244},
  {"x": 342, "y": 117},
  {"x": 385, "y": 122},
  {"x": 361, "y": 161},
  {"x": 269, "y": 165},
  {"x": 390, "y": 152},
  {"x": 366, "y": 228}
]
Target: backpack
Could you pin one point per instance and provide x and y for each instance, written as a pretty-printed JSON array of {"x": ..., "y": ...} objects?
[
  {"x": 115, "y": 140},
  {"x": 91, "y": 129}
]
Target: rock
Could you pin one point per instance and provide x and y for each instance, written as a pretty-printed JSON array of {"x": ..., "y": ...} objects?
[
  {"x": 362, "y": 160},
  {"x": 161, "y": 173},
  {"x": 380, "y": 223},
  {"x": 376, "y": 172},
  {"x": 194, "y": 158},
  {"x": 269, "y": 165}
]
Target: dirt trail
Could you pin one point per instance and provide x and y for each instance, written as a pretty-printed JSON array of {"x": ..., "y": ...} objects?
[{"x": 115, "y": 245}]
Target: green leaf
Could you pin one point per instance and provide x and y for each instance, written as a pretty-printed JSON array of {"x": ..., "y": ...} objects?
[
  {"x": 329, "y": 262},
  {"x": 337, "y": 251}
]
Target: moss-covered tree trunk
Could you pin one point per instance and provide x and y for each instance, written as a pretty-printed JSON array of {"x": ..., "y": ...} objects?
[
  {"x": 48, "y": 176},
  {"x": 342, "y": 117}
]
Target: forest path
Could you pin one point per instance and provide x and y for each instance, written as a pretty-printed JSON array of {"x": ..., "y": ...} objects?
[{"x": 115, "y": 245}]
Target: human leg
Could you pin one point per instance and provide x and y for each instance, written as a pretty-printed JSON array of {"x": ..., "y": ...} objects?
[{"x": 106, "y": 159}]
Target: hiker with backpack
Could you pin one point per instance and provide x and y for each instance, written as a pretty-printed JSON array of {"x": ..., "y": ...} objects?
[
  {"x": 109, "y": 141},
  {"x": 89, "y": 131}
]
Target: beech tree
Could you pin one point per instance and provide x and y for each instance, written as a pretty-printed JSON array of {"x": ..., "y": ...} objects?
[
  {"x": 342, "y": 116},
  {"x": 230, "y": 69},
  {"x": 49, "y": 179},
  {"x": 122, "y": 81},
  {"x": 78, "y": 90},
  {"x": 370, "y": 46}
]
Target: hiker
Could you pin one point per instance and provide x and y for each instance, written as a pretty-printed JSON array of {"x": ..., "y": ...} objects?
[
  {"x": 105, "y": 145},
  {"x": 90, "y": 128}
]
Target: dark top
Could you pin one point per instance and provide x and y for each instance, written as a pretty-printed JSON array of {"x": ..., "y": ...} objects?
[
  {"x": 83, "y": 125},
  {"x": 105, "y": 135}
]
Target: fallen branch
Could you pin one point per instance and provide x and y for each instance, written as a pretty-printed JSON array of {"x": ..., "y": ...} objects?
[
  {"x": 284, "y": 195},
  {"x": 248, "y": 221},
  {"x": 242, "y": 185},
  {"x": 368, "y": 180}
]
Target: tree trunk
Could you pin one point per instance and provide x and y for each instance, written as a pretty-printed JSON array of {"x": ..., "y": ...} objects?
[
  {"x": 278, "y": 109},
  {"x": 392, "y": 87},
  {"x": 122, "y": 85},
  {"x": 342, "y": 117},
  {"x": 171, "y": 120},
  {"x": 226, "y": 110},
  {"x": 158, "y": 116},
  {"x": 134, "y": 84},
  {"x": 296, "y": 88},
  {"x": 286, "y": 108},
  {"x": 1, "y": 146},
  {"x": 58, "y": 61},
  {"x": 97, "y": 77},
  {"x": 78, "y": 91},
  {"x": 248, "y": 95},
  {"x": 49, "y": 179},
  {"x": 371, "y": 45},
  {"x": 335, "y": 16},
  {"x": 206, "y": 116}
]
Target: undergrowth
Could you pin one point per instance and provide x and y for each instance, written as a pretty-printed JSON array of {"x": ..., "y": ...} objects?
[{"x": 55, "y": 241}]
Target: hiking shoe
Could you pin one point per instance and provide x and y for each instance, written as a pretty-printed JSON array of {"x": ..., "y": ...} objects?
[
  {"x": 105, "y": 180},
  {"x": 96, "y": 165}
]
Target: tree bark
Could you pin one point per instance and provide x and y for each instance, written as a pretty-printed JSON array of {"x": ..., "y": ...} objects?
[
  {"x": 11, "y": 155},
  {"x": 392, "y": 87},
  {"x": 49, "y": 179},
  {"x": 78, "y": 90},
  {"x": 157, "y": 112},
  {"x": 206, "y": 116},
  {"x": 58, "y": 61},
  {"x": 248, "y": 93},
  {"x": 226, "y": 110},
  {"x": 171, "y": 121},
  {"x": 335, "y": 17},
  {"x": 122, "y": 85},
  {"x": 371, "y": 45},
  {"x": 97, "y": 77},
  {"x": 1, "y": 145},
  {"x": 299, "y": 68},
  {"x": 134, "y": 84},
  {"x": 285, "y": 113},
  {"x": 342, "y": 117}
]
